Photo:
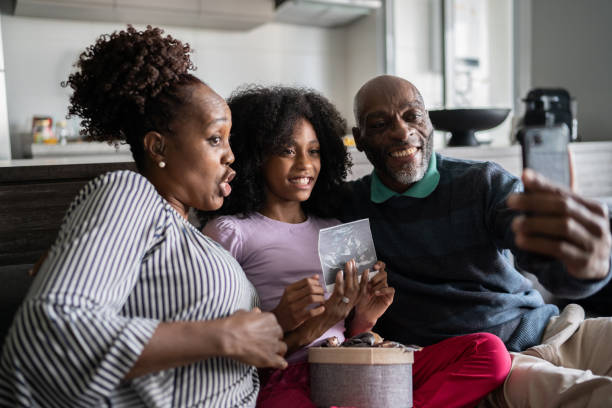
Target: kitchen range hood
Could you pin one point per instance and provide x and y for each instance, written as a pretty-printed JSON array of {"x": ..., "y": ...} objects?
[{"x": 323, "y": 13}]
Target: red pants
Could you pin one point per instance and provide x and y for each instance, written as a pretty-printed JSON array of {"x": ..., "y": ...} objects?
[{"x": 456, "y": 372}]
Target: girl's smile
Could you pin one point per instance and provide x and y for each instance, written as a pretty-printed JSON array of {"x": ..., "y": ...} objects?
[{"x": 303, "y": 182}]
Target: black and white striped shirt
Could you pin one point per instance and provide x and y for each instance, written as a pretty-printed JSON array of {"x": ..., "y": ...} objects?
[{"x": 124, "y": 260}]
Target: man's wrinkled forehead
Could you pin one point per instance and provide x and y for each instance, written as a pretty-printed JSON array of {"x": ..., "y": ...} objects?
[{"x": 386, "y": 96}]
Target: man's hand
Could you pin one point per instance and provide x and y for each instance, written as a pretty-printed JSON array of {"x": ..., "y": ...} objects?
[
  {"x": 374, "y": 300},
  {"x": 293, "y": 308},
  {"x": 561, "y": 224}
]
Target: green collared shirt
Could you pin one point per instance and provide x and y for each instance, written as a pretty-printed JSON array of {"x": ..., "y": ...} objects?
[{"x": 380, "y": 193}]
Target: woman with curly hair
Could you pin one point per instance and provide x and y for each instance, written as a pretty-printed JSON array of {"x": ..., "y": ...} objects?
[
  {"x": 133, "y": 306},
  {"x": 290, "y": 161}
]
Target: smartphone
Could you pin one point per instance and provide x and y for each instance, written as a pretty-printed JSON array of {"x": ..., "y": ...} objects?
[{"x": 545, "y": 150}]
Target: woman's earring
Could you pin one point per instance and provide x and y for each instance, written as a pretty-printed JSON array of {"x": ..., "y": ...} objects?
[{"x": 161, "y": 164}]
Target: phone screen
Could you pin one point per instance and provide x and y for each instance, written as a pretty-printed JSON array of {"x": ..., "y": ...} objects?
[{"x": 545, "y": 150}]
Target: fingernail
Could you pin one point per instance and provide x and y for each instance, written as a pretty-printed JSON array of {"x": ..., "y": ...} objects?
[{"x": 511, "y": 200}]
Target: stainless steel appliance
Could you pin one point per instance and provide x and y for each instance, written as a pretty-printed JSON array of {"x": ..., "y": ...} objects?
[{"x": 551, "y": 106}]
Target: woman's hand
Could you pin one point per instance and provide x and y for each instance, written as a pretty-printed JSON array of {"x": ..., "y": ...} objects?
[
  {"x": 254, "y": 338},
  {"x": 375, "y": 298},
  {"x": 292, "y": 310},
  {"x": 251, "y": 337}
]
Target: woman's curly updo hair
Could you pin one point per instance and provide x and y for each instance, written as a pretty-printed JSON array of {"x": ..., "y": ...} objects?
[
  {"x": 263, "y": 120},
  {"x": 129, "y": 83}
]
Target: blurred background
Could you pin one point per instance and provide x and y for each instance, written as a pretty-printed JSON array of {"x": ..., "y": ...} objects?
[{"x": 459, "y": 53}]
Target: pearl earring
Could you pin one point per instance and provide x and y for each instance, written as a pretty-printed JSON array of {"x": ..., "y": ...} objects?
[{"x": 161, "y": 164}]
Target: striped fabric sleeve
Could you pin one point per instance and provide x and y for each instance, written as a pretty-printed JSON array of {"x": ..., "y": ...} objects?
[{"x": 69, "y": 344}]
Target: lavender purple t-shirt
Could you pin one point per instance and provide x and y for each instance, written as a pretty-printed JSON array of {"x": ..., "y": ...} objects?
[{"x": 274, "y": 254}]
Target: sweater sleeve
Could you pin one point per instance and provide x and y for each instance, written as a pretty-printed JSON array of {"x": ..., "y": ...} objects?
[
  {"x": 227, "y": 233},
  {"x": 69, "y": 344},
  {"x": 551, "y": 272}
]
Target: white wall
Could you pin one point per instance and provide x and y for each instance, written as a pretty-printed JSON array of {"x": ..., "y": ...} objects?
[
  {"x": 571, "y": 49},
  {"x": 418, "y": 47},
  {"x": 39, "y": 54},
  {"x": 363, "y": 61},
  {"x": 418, "y": 51},
  {"x": 521, "y": 52}
]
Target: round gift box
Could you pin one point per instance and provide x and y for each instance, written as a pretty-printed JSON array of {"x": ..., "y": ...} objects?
[{"x": 360, "y": 377}]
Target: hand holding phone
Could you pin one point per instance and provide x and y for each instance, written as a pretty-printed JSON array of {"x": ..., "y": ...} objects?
[
  {"x": 560, "y": 223},
  {"x": 545, "y": 150},
  {"x": 556, "y": 221}
]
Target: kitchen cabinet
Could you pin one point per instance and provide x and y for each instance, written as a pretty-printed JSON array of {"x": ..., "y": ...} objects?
[
  {"x": 101, "y": 10},
  {"x": 70, "y": 3},
  {"x": 245, "y": 7},
  {"x": 261, "y": 8},
  {"x": 226, "y": 14},
  {"x": 174, "y": 6}
]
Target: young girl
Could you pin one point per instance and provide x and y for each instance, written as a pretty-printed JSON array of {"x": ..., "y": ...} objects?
[{"x": 290, "y": 160}]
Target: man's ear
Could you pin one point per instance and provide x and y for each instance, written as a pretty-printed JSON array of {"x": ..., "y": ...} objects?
[
  {"x": 155, "y": 147},
  {"x": 357, "y": 138}
]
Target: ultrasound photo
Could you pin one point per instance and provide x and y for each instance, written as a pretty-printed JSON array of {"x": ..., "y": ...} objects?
[{"x": 344, "y": 242}]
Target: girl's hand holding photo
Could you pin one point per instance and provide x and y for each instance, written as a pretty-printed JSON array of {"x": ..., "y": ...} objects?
[
  {"x": 374, "y": 299},
  {"x": 295, "y": 307},
  {"x": 347, "y": 291}
]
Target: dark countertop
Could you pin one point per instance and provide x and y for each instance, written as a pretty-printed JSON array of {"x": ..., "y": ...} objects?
[{"x": 56, "y": 169}]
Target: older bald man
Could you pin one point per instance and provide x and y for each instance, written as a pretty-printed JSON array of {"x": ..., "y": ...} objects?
[{"x": 445, "y": 228}]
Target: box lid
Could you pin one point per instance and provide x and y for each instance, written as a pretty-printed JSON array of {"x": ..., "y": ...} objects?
[{"x": 359, "y": 355}]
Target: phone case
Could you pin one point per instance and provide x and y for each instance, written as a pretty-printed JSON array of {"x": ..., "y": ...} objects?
[{"x": 545, "y": 150}]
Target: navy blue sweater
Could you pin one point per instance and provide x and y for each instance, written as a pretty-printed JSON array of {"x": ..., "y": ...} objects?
[{"x": 448, "y": 258}]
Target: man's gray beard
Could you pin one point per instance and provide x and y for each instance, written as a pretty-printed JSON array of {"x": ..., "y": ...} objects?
[{"x": 410, "y": 174}]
